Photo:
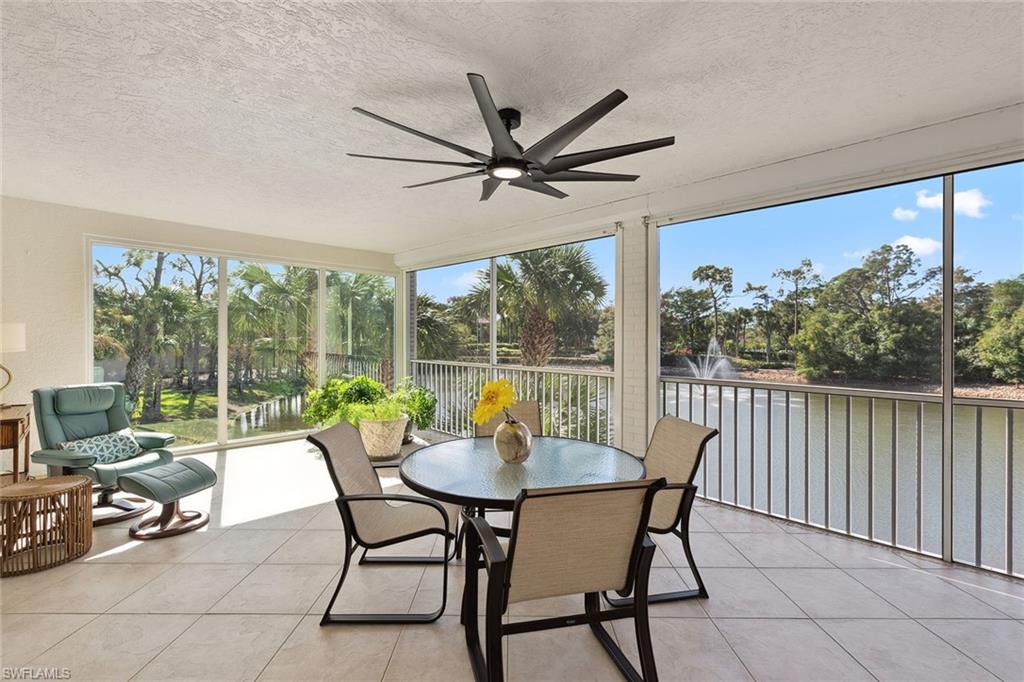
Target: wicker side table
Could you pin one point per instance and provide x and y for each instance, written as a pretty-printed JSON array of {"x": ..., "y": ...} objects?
[{"x": 44, "y": 523}]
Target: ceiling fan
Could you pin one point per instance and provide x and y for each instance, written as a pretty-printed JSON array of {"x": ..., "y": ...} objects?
[{"x": 532, "y": 168}]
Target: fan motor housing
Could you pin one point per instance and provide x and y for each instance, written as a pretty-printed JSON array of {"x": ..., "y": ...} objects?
[{"x": 511, "y": 118}]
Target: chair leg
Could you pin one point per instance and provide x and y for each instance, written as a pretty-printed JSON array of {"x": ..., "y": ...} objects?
[
  {"x": 130, "y": 507},
  {"x": 592, "y": 607},
  {"x": 385, "y": 618},
  {"x": 641, "y": 619}
]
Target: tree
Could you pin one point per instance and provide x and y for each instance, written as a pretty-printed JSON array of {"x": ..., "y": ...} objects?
[
  {"x": 763, "y": 312},
  {"x": 437, "y": 334},
  {"x": 718, "y": 282},
  {"x": 684, "y": 318},
  {"x": 548, "y": 294},
  {"x": 802, "y": 277},
  {"x": 604, "y": 343},
  {"x": 1001, "y": 347}
]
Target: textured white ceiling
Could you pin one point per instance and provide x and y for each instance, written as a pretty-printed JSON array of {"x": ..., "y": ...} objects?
[{"x": 239, "y": 115}]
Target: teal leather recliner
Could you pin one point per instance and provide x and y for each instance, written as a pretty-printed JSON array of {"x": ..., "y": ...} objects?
[{"x": 67, "y": 413}]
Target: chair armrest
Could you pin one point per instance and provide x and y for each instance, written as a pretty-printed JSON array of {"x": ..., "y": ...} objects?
[
  {"x": 493, "y": 553},
  {"x": 153, "y": 440},
  {"x": 399, "y": 498},
  {"x": 63, "y": 458}
]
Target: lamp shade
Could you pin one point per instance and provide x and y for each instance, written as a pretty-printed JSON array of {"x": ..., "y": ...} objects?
[{"x": 12, "y": 337}]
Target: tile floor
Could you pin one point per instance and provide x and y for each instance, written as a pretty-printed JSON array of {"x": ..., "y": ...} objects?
[{"x": 241, "y": 600}]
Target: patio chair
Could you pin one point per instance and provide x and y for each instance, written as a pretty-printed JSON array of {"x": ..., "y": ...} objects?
[
  {"x": 372, "y": 520},
  {"x": 675, "y": 453},
  {"x": 525, "y": 411},
  {"x": 565, "y": 541}
]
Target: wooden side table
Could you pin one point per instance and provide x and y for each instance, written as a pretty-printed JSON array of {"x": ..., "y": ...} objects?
[
  {"x": 15, "y": 431},
  {"x": 44, "y": 523}
]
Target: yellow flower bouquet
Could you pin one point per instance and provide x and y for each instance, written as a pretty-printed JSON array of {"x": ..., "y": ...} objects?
[
  {"x": 512, "y": 439},
  {"x": 496, "y": 396}
]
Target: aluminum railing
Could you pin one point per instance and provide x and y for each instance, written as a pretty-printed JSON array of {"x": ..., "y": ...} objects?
[
  {"x": 861, "y": 462},
  {"x": 574, "y": 403}
]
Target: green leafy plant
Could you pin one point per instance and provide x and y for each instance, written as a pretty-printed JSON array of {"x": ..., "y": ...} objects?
[
  {"x": 363, "y": 390},
  {"x": 325, "y": 404},
  {"x": 385, "y": 410},
  {"x": 418, "y": 402}
]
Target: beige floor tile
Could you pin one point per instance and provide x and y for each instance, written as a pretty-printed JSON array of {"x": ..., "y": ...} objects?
[
  {"x": 745, "y": 593},
  {"x": 920, "y": 594},
  {"x": 428, "y": 596},
  {"x": 326, "y": 518},
  {"x": 92, "y": 589},
  {"x": 293, "y": 519},
  {"x": 709, "y": 550},
  {"x": 789, "y": 650},
  {"x": 764, "y": 550},
  {"x": 26, "y": 635},
  {"x": 698, "y": 524},
  {"x": 277, "y": 588},
  {"x": 998, "y": 646},
  {"x": 312, "y": 547},
  {"x": 684, "y": 649},
  {"x": 830, "y": 593},
  {"x": 1003, "y": 593},
  {"x": 726, "y": 520},
  {"x": 902, "y": 650},
  {"x": 849, "y": 553},
  {"x": 666, "y": 580},
  {"x": 374, "y": 589},
  {"x": 341, "y": 652},
  {"x": 432, "y": 653},
  {"x": 185, "y": 588},
  {"x": 17, "y": 588},
  {"x": 571, "y": 653},
  {"x": 114, "y": 545},
  {"x": 240, "y": 547},
  {"x": 114, "y": 647},
  {"x": 222, "y": 647}
]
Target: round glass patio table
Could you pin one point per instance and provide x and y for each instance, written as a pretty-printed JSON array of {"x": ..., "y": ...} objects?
[{"x": 468, "y": 471}]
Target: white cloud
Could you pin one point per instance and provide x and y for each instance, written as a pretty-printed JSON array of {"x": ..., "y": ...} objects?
[
  {"x": 465, "y": 281},
  {"x": 900, "y": 213},
  {"x": 921, "y": 246},
  {"x": 854, "y": 255},
  {"x": 925, "y": 200},
  {"x": 969, "y": 202}
]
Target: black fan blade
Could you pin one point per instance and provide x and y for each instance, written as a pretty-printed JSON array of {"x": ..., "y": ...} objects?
[
  {"x": 580, "y": 176},
  {"x": 436, "y": 140},
  {"x": 504, "y": 146},
  {"x": 527, "y": 183},
  {"x": 567, "y": 161},
  {"x": 464, "y": 164},
  {"x": 559, "y": 139},
  {"x": 489, "y": 185},
  {"x": 453, "y": 177}
]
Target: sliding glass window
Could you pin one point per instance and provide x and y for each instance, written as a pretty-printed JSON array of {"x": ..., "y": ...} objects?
[
  {"x": 155, "y": 330},
  {"x": 360, "y": 329}
]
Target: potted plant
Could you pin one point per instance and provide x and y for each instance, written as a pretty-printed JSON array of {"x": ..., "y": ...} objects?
[
  {"x": 381, "y": 426},
  {"x": 419, "y": 403},
  {"x": 365, "y": 404}
]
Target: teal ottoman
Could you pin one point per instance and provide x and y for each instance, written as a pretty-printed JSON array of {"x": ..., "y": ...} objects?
[{"x": 167, "y": 484}]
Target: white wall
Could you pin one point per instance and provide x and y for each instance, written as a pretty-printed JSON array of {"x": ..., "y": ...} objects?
[{"x": 44, "y": 278}]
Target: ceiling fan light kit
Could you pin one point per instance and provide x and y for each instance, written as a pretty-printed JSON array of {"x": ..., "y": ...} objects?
[{"x": 531, "y": 168}]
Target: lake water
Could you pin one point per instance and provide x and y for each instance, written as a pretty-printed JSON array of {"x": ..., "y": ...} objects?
[
  {"x": 917, "y": 437},
  {"x": 279, "y": 415}
]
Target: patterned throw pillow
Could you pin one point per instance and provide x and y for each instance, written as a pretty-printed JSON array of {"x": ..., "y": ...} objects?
[{"x": 106, "y": 448}]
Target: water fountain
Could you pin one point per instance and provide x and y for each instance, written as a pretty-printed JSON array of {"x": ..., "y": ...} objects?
[{"x": 712, "y": 364}]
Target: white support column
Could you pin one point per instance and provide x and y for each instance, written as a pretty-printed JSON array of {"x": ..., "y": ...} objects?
[
  {"x": 405, "y": 323},
  {"x": 222, "y": 350},
  {"x": 633, "y": 363}
]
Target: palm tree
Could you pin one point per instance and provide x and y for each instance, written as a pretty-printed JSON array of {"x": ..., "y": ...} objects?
[{"x": 544, "y": 290}]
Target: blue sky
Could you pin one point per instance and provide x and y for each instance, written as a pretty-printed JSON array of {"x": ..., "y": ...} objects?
[
  {"x": 453, "y": 280},
  {"x": 836, "y": 232}
]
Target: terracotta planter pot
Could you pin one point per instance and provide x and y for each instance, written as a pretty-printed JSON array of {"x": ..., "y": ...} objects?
[{"x": 382, "y": 438}]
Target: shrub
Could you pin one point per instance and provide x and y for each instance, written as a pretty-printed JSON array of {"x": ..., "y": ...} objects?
[
  {"x": 380, "y": 411},
  {"x": 363, "y": 390},
  {"x": 418, "y": 402}
]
